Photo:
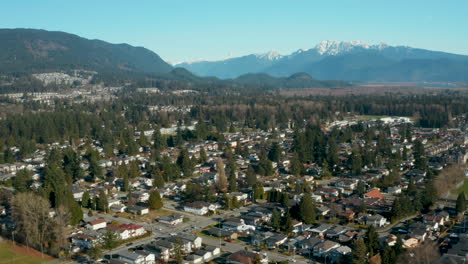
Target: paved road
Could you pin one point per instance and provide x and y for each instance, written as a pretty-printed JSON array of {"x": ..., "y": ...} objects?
[
  {"x": 239, "y": 245},
  {"x": 386, "y": 230},
  {"x": 196, "y": 223}
]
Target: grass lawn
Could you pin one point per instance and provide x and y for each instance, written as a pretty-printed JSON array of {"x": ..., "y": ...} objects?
[
  {"x": 464, "y": 188},
  {"x": 18, "y": 254}
]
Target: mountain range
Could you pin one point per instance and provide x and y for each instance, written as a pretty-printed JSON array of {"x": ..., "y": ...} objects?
[
  {"x": 350, "y": 61},
  {"x": 32, "y": 50},
  {"x": 26, "y": 51}
]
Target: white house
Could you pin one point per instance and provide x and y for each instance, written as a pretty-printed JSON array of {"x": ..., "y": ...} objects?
[
  {"x": 174, "y": 219},
  {"x": 83, "y": 241},
  {"x": 193, "y": 259},
  {"x": 394, "y": 190},
  {"x": 198, "y": 208},
  {"x": 127, "y": 231},
  {"x": 136, "y": 258},
  {"x": 97, "y": 224},
  {"x": 376, "y": 220},
  {"x": 317, "y": 198},
  {"x": 120, "y": 208}
]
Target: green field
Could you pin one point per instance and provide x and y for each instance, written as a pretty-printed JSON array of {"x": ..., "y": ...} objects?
[
  {"x": 10, "y": 254},
  {"x": 464, "y": 188}
]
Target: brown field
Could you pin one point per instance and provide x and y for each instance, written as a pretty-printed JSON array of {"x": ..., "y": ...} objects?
[{"x": 20, "y": 254}]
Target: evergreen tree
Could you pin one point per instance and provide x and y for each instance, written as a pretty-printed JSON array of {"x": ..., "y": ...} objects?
[
  {"x": 101, "y": 203},
  {"x": 134, "y": 170},
  {"x": 420, "y": 161},
  {"x": 125, "y": 183},
  {"x": 76, "y": 214},
  {"x": 185, "y": 163},
  {"x": 203, "y": 156},
  {"x": 158, "y": 179},
  {"x": 143, "y": 141},
  {"x": 8, "y": 156},
  {"x": 22, "y": 180},
  {"x": 398, "y": 247},
  {"x": 264, "y": 165},
  {"x": 388, "y": 255},
  {"x": 227, "y": 202},
  {"x": 251, "y": 176},
  {"x": 372, "y": 241},
  {"x": 170, "y": 170},
  {"x": 307, "y": 209},
  {"x": 325, "y": 171},
  {"x": 356, "y": 162},
  {"x": 155, "y": 201},
  {"x": 86, "y": 200},
  {"x": 287, "y": 225},
  {"x": 109, "y": 240},
  {"x": 122, "y": 171},
  {"x": 360, "y": 188},
  {"x": 71, "y": 166},
  {"x": 275, "y": 219},
  {"x": 359, "y": 253},
  {"x": 332, "y": 155},
  {"x": 429, "y": 194},
  {"x": 275, "y": 152},
  {"x": 296, "y": 167},
  {"x": 158, "y": 141},
  {"x": 258, "y": 191},
  {"x": 232, "y": 182},
  {"x": 95, "y": 171},
  {"x": 461, "y": 203},
  {"x": 284, "y": 199}
]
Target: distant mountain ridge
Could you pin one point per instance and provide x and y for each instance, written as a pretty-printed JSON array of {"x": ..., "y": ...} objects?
[
  {"x": 351, "y": 61},
  {"x": 32, "y": 50}
]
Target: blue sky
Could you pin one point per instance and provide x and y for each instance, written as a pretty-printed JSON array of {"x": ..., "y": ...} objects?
[{"x": 180, "y": 30}]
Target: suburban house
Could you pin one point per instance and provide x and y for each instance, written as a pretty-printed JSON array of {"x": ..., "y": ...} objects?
[
  {"x": 83, "y": 241},
  {"x": 339, "y": 252},
  {"x": 97, "y": 224},
  {"x": 193, "y": 259},
  {"x": 276, "y": 240},
  {"x": 138, "y": 210},
  {"x": 140, "y": 196},
  {"x": 320, "y": 230},
  {"x": 137, "y": 257},
  {"x": 173, "y": 219},
  {"x": 374, "y": 193},
  {"x": 323, "y": 248},
  {"x": 237, "y": 224},
  {"x": 119, "y": 208},
  {"x": 126, "y": 231},
  {"x": 376, "y": 220},
  {"x": 199, "y": 208},
  {"x": 218, "y": 232}
]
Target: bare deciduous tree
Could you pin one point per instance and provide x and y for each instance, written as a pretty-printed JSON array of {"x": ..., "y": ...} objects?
[
  {"x": 31, "y": 213},
  {"x": 426, "y": 253},
  {"x": 222, "y": 180}
]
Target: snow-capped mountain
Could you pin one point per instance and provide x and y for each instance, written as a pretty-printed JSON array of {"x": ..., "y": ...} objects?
[
  {"x": 271, "y": 55},
  {"x": 233, "y": 67},
  {"x": 334, "y": 47},
  {"x": 345, "y": 60}
]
